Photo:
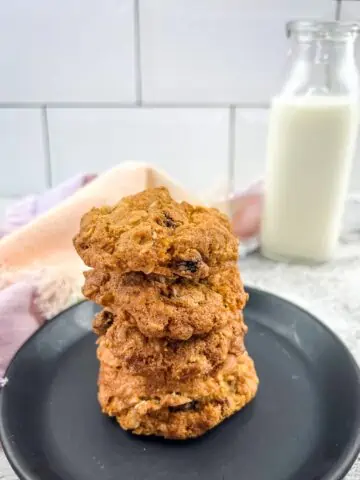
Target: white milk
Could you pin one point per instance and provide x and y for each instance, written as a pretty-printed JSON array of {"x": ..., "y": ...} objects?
[{"x": 311, "y": 142}]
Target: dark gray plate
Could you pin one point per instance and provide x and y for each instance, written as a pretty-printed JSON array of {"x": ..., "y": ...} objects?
[{"x": 303, "y": 425}]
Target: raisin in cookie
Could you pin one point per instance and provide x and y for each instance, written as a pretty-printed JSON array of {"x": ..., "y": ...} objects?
[
  {"x": 162, "y": 307},
  {"x": 151, "y": 233}
]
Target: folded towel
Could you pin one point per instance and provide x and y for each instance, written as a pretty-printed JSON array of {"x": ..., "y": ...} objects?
[
  {"x": 40, "y": 273},
  {"x": 20, "y": 290}
]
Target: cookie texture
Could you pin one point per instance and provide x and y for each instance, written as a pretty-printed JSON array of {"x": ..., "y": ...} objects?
[
  {"x": 122, "y": 345},
  {"x": 171, "y": 335},
  {"x": 173, "y": 308},
  {"x": 149, "y": 232},
  {"x": 177, "y": 411}
]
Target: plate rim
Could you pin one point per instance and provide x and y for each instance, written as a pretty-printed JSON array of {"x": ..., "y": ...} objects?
[{"x": 337, "y": 472}]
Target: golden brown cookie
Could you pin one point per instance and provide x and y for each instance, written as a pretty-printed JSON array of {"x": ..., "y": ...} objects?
[
  {"x": 225, "y": 279},
  {"x": 123, "y": 345},
  {"x": 180, "y": 411},
  {"x": 164, "y": 307},
  {"x": 151, "y": 233}
]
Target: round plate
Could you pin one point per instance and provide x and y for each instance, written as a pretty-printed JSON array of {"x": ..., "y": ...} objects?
[{"x": 303, "y": 425}]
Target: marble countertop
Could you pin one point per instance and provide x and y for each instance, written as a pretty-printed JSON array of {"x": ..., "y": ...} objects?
[{"x": 331, "y": 291}]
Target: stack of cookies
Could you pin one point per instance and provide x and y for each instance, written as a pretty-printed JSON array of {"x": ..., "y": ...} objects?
[{"x": 171, "y": 334}]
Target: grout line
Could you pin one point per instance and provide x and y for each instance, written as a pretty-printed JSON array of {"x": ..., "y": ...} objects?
[
  {"x": 120, "y": 105},
  {"x": 137, "y": 53},
  {"x": 231, "y": 159},
  {"x": 46, "y": 140},
  {"x": 338, "y": 10}
]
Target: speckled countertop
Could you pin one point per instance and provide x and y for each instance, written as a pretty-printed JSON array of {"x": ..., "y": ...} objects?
[{"x": 332, "y": 291}]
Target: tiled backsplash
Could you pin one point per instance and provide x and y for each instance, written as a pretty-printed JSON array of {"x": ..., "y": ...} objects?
[
  {"x": 184, "y": 84},
  {"x": 191, "y": 144}
]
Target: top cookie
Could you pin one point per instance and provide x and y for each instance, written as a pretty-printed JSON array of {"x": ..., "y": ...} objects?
[{"x": 149, "y": 232}]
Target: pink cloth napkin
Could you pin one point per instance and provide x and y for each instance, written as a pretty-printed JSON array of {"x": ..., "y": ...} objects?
[{"x": 20, "y": 314}]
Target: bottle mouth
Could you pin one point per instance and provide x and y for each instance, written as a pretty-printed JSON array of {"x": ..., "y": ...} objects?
[{"x": 323, "y": 29}]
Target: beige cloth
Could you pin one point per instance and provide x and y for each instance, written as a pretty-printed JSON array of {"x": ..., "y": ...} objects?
[
  {"x": 42, "y": 251},
  {"x": 47, "y": 241}
]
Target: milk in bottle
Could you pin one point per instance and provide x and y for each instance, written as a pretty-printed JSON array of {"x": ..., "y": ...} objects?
[{"x": 311, "y": 141}]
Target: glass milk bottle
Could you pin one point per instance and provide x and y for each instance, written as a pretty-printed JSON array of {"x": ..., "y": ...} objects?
[{"x": 311, "y": 142}]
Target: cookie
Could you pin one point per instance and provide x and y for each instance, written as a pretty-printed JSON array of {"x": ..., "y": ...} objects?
[
  {"x": 123, "y": 345},
  {"x": 186, "y": 410},
  {"x": 166, "y": 307},
  {"x": 151, "y": 233}
]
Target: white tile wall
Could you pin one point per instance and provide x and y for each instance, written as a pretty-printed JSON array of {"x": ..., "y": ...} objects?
[
  {"x": 217, "y": 50},
  {"x": 350, "y": 10},
  {"x": 355, "y": 175},
  {"x": 99, "y": 65},
  {"x": 250, "y": 145},
  {"x": 80, "y": 50},
  {"x": 22, "y": 156},
  {"x": 191, "y": 144}
]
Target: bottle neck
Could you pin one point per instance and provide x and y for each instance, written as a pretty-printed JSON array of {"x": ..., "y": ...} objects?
[{"x": 322, "y": 67}]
